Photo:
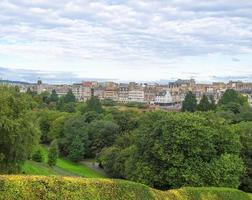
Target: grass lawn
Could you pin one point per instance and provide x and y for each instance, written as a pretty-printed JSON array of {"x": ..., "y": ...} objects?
[
  {"x": 78, "y": 169},
  {"x": 35, "y": 168},
  {"x": 63, "y": 167}
]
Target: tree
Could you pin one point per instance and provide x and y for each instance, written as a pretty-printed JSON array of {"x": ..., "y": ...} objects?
[
  {"x": 19, "y": 130},
  {"x": 94, "y": 104},
  {"x": 102, "y": 134},
  {"x": 189, "y": 103},
  {"x": 46, "y": 118},
  {"x": 37, "y": 156},
  {"x": 60, "y": 104},
  {"x": 204, "y": 104},
  {"x": 244, "y": 130},
  {"x": 69, "y": 107},
  {"x": 212, "y": 102},
  {"x": 74, "y": 127},
  {"x": 69, "y": 97},
  {"x": 54, "y": 96},
  {"x": 172, "y": 150},
  {"x": 232, "y": 96},
  {"x": 56, "y": 130},
  {"x": 126, "y": 120},
  {"x": 76, "y": 150},
  {"x": 53, "y": 153}
]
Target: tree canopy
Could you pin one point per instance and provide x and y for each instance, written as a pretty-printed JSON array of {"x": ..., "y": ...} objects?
[
  {"x": 190, "y": 103},
  {"x": 19, "y": 131},
  {"x": 171, "y": 150}
]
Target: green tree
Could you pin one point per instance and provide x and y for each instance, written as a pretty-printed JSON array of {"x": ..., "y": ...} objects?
[
  {"x": 94, "y": 104},
  {"x": 102, "y": 134},
  {"x": 54, "y": 96},
  {"x": 69, "y": 107},
  {"x": 232, "y": 96},
  {"x": 212, "y": 102},
  {"x": 46, "y": 118},
  {"x": 53, "y": 153},
  {"x": 19, "y": 130},
  {"x": 38, "y": 156},
  {"x": 74, "y": 127},
  {"x": 126, "y": 120},
  {"x": 190, "y": 103},
  {"x": 172, "y": 150},
  {"x": 204, "y": 104},
  {"x": 56, "y": 130},
  {"x": 76, "y": 150},
  {"x": 244, "y": 130},
  {"x": 69, "y": 97}
]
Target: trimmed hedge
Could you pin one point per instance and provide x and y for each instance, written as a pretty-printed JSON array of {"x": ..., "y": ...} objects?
[{"x": 41, "y": 187}]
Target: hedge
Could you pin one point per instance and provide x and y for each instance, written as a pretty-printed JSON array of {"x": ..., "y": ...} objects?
[{"x": 42, "y": 187}]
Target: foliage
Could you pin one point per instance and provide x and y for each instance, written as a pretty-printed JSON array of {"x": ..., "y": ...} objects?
[
  {"x": 76, "y": 149},
  {"x": 94, "y": 104},
  {"x": 232, "y": 96},
  {"x": 126, "y": 120},
  {"x": 189, "y": 103},
  {"x": 69, "y": 97},
  {"x": 69, "y": 107},
  {"x": 56, "y": 129},
  {"x": 204, "y": 104},
  {"x": 38, "y": 187},
  {"x": 54, "y": 96},
  {"x": 19, "y": 131},
  {"x": 74, "y": 126},
  {"x": 53, "y": 153},
  {"x": 38, "y": 155},
  {"x": 101, "y": 134},
  {"x": 170, "y": 150},
  {"x": 46, "y": 118},
  {"x": 244, "y": 130},
  {"x": 108, "y": 102}
]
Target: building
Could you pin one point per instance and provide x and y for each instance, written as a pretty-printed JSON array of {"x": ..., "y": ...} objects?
[
  {"x": 111, "y": 91},
  {"x": 136, "y": 95},
  {"x": 163, "y": 99},
  {"x": 123, "y": 93}
]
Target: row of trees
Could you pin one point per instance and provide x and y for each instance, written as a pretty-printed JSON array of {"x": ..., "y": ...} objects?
[{"x": 231, "y": 99}]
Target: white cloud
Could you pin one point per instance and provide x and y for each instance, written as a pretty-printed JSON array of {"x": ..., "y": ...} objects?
[{"x": 119, "y": 35}]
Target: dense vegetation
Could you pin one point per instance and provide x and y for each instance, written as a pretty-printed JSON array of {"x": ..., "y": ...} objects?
[
  {"x": 171, "y": 150},
  {"x": 208, "y": 144},
  {"x": 19, "y": 187},
  {"x": 19, "y": 132}
]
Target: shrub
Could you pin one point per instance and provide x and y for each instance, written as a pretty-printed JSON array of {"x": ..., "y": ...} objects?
[
  {"x": 37, "y": 187},
  {"x": 53, "y": 153},
  {"x": 38, "y": 156}
]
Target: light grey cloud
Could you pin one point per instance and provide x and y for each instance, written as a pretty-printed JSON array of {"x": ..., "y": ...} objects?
[
  {"x": 133, "y": 33},
  {"x": 56, "y": 77}
]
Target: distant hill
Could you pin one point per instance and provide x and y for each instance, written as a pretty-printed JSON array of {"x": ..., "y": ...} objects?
[
  {"x": 40, "y": 187},
  {"x": 15, "y": 82}
]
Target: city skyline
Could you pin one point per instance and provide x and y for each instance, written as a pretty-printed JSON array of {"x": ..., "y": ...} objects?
[{"x": 67, "y": 41}]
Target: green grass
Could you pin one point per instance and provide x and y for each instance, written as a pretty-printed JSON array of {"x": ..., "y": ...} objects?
[
  {"x": 63, "y": 167},
  {"x": 35, "y": 168},
  {"x": 61, "y": 188},
  {"x": 78, "y": 169}
]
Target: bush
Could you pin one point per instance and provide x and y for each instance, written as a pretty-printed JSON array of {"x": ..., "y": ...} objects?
[
  {"x": 38, "y": 187},
  {"x": 53, "y": 153},
  {"x": 38, "y": 156}
]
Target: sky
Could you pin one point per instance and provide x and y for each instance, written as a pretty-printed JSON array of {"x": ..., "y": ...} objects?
[{"x": 130, "y": 40}]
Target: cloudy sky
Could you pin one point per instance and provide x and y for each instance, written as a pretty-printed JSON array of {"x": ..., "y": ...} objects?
[{"x": 141, "y": 40}]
